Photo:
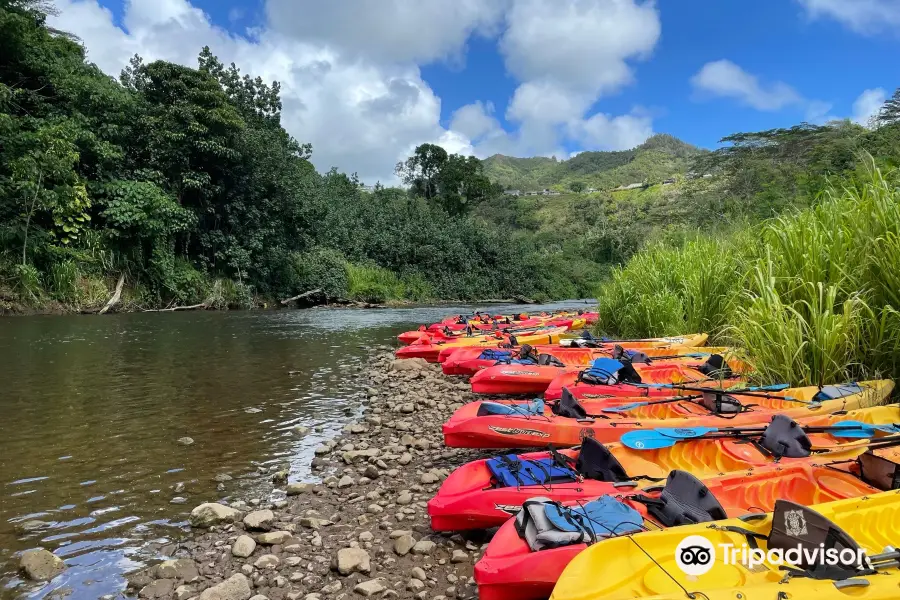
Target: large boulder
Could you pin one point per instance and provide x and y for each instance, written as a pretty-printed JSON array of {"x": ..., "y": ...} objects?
[
  {"x": 352, "y": 560},
  {"x": 260, "y": 520},
  {"x": 41, "y": 565},
  {"x": 212, "y": 513},
  {"x": 236, "y": 587}
]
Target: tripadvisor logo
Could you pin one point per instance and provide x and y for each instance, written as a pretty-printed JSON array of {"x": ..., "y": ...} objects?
[{"x": 695, "y": 556}]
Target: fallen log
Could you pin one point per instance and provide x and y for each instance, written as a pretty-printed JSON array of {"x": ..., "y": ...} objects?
[
  {"x": 115, "y": 297},
  {"x": 287, "y": 301},
  {"x": 202, "y": 305}
]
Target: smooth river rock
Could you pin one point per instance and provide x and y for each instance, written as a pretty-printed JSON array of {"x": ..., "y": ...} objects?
[
  {"x": 213, "y": 513},
  {"x": 236, "y": 587},
  {"x": 41, "y": 565},
  {"x": 243, "y": 546},
  {"x": 260, "y": 520}
]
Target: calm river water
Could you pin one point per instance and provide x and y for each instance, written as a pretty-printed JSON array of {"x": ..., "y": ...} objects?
[{"x": 92, "y": 408}]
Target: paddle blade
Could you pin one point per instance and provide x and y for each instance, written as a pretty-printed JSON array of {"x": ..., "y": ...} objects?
[
  {"x": 685, "y": 433},
  {"x": 646, "y": 440},
  {"x": 653, "y": 439}
]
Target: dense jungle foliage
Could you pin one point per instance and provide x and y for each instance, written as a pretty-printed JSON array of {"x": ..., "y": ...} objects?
[{"x": 184, "y": 180}]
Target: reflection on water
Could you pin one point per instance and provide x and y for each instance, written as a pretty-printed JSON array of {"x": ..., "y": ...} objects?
[{"x": 92, "y": 410}]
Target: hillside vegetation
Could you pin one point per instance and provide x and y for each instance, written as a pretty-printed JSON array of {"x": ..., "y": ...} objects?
[
  {"x": 810, "y": 296},
  {"x": 657, "y": 159}
]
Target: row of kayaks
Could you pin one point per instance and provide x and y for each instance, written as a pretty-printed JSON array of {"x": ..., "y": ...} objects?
[{"x": 654, "y": 460}]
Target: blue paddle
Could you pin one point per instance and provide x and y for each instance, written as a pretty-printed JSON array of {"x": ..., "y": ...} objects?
[{"x": 654, "y": 439}]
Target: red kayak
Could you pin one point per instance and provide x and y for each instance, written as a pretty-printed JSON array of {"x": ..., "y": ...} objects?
[
  {"x": 515, "y": 379},
  {"x": 512, "y": 569},
  {"x": 484, "y": 493}
]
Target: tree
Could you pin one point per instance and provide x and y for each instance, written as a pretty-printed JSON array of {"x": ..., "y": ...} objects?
[
  {"x": 577, "y": 186},
  {"x": 421, "y": 170},
  {"x": 890, "y": 110},
  {"x": 456, "y": 183}
]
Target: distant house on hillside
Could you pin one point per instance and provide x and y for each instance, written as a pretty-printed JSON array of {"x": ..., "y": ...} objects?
[
  {"x": 669, "y": 181},
  {"x": 547, "y": 192},
  {"x": 631, "y": 186},
  {"x": 590, "y": 190},
  {"x": 532, "y": 193},
  {"x": 513, "y": 192}
]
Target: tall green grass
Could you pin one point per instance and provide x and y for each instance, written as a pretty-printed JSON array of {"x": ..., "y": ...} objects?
[{"x": 811, "y": 297}]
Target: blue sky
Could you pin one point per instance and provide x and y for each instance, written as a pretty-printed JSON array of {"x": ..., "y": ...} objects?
[{"x": 367, "y": 80}]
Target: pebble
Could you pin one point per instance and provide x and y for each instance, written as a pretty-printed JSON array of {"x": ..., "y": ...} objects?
[
  {"x": 377, "y": 477},
  {"x": 369, "y": 588},
  {"x": 185, "y": 441},
  {"x": 423, "y": 547},
  {"x": 267, "y": 561}
]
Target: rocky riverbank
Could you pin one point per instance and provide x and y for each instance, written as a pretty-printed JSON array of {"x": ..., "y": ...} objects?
[{"x": 362, "y": 531}]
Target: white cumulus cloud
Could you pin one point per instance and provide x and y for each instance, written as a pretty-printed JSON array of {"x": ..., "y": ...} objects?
[
  {"x": 388, "y": 30},
  {"x": 351, "y": 83},
  {"x": 863, "y": 16},
  {"x": 726, "y": 79},
  {"x": 867, "y": 105}
]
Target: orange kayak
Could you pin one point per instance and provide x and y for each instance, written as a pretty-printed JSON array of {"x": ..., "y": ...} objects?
[
  {"x": 484, "y": 493},
  {"x": 484, "y": 425},
  {"x": 511, "y": 569}
]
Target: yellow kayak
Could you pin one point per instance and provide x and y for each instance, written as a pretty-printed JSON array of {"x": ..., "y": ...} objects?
[{"x": 664, "y": 565}]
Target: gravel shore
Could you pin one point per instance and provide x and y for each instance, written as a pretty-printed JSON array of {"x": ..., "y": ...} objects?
[{"x": 362, "y": 531}]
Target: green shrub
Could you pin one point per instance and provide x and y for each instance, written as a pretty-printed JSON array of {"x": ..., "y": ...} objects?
[
  {"x": 371, "y": 283},
  {"x": 819, "y": 301},
  {"x": 322, "y": 268}
]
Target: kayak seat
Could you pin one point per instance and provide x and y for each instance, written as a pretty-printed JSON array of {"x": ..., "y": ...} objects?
[
  {"x": 512, "y": 471},
  {"x": 545, "y": 524},
  {"x": 716, "y": 367},
  {"x": 532, "y": 409},
  {"x": 879, "y": 472},
  {"x": 595, "y": 461},
  {"x": 721, "y": 403},
  {"x": 684, "y": 500},
  {"x": 633, "y": 356},
  {"x": 549, "y": 360},
  {"x": 783, "y": 438},
  {"x": 795, "y": 526},
  {"x": 569, "y": 407}
]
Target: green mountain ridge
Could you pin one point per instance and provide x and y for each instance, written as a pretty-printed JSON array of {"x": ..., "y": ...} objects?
[{"x": 661, "y": 156}]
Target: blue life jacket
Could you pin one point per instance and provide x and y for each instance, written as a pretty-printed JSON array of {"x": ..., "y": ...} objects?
[
  {"x": 511, "y": 471},
  {"x": 602, "y": 371},
  {"x": 492, "y": 354},
  {"x": 604, "y": 517}
]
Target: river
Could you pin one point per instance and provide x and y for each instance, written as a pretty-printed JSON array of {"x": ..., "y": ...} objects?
[{"x": 92, "y": 410}]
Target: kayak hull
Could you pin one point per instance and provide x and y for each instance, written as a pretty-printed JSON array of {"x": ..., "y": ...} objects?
[
  {"x": 466, "y": 429},
  {"x": 470, "y": 499},
  {"x": 510, "y": 570}
]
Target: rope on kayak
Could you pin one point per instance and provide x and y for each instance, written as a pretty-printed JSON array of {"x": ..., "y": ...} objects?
[{"x": 691, "y": 595}]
